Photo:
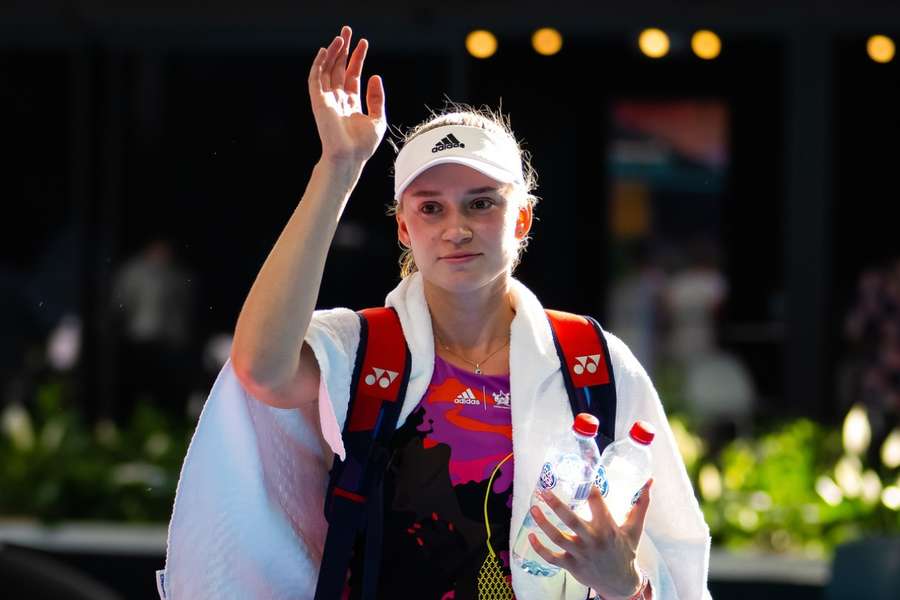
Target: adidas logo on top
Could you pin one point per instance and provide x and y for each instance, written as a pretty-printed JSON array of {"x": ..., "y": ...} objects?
[
  {"x": 467, "y": 397},
  {"x": 586, "y": 363},
  {"x": 383, "y": 377},
  {"x": 449, "y": 141}
]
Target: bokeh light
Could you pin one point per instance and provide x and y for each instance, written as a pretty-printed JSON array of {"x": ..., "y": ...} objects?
[
  {"x": 481, "y": 43},
  {"x": 881, "y": 48},
  {"x": 654, "y": 43},
  {"x": 706, "y": 44},
  {"x": 547, "y": 41}
]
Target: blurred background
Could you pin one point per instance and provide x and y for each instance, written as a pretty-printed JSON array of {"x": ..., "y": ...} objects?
[{"x": 718, "y": 185}]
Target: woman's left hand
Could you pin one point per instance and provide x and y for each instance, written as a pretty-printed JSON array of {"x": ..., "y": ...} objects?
[{"x": 598, "y": 553}]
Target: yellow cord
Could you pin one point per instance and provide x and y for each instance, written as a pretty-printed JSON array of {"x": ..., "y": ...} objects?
[
  {"x": 492, "y": 585},
  {"x": 487, "y": 493}
]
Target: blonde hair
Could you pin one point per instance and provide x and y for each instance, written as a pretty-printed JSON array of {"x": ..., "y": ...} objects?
[{"x": 495, "y": 121}]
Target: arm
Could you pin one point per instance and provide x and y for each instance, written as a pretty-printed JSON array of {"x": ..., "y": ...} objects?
[{"x": 268, "y": 355}]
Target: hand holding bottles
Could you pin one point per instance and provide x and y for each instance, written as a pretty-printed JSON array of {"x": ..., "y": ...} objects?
[{"x": 598, "y": 553}]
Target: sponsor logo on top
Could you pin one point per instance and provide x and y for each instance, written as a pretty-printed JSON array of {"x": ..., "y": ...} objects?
[
  {"x": 501, "y": 399},
  {"x": 467, "y": 397}
]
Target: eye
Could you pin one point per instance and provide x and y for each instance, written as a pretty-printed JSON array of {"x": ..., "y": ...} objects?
[
  {"x": 430, "y": 208},
  {"x": 482, "y": 203}
]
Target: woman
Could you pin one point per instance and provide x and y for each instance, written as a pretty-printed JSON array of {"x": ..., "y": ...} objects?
[{"x": 248, "y": 516}]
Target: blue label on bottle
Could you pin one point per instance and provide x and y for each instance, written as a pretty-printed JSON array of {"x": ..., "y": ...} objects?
[
  {"x": 582, "y": 493},
  {"x": 547, "y": 480},
  {"x": 601, "y": 481},
  {"x": 636, "y": 496}
]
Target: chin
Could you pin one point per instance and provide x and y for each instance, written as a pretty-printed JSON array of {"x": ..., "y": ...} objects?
[{"x": 462, "y": 281}]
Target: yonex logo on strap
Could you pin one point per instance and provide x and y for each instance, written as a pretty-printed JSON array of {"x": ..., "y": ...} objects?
[
  {"x": 449, "y": 141},
  {"x": 467, "y": 397},
  {"x": 384, "y": 377},
  {"x": 586, "y": 363}
]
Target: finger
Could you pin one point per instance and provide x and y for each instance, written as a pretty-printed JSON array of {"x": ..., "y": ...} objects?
[
  {"x": 375, "y": 97},
  {"x": 315, "y": 72},
  {"x": 634, "y": 524},
  {"x": 331, "y": 54},
  {"x": 340, "y": 63},
  {"x": 560, "y": 559},
  {"x": 600, "y": 515},
  {"x": 354, "y": 69},
  {"x": 565, "y": 514},
  {"x": 562, "y": 539}
]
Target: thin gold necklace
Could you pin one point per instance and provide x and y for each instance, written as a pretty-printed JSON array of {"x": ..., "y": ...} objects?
[{"x": 478, "y": 364}]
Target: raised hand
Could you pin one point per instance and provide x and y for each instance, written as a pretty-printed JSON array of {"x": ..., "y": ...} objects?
[
  {"x": 347, "y": 134},
  {"x": 598, "y": 552}
]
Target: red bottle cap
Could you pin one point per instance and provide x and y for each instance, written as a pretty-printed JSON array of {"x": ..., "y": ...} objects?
[
  {"x": 642, "y": 432},
  {"x": 586, "y": 424}
]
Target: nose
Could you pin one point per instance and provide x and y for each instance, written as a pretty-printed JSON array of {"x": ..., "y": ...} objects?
[{"x": 457, "y": 233}]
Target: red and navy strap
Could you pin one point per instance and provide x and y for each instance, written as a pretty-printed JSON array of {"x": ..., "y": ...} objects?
[
  {"x": 377, "y": 389},
  {"x": 586, "y": 368}
]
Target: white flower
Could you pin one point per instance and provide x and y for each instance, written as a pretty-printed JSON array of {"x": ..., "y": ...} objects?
[{"x": 16, "y": 424}]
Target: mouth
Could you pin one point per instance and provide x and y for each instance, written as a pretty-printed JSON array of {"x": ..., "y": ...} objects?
[{"x": 459, "y": 258}]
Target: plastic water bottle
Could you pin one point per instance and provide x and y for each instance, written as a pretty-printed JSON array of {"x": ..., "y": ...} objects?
[
  {"x": 624, "y": 469},
  {"x": 569, "y": 472}
]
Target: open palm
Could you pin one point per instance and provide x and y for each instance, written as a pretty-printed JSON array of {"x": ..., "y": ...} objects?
[{"x": 346, "y": 132}]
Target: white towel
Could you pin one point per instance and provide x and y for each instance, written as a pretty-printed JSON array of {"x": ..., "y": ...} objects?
[{"x": 248, "y": 520}]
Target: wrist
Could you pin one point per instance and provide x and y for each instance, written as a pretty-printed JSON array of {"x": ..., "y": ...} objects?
[
  {"x": 340, "y": 170},
  {"x": 636, "y": 591}
]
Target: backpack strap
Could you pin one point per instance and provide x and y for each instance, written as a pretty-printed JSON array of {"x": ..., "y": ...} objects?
[
  {"x": 587, "y": 369},
  {"x": 380, "y": 378}
]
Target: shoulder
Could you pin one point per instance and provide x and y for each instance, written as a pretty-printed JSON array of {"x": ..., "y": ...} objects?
[{"x": 333, "y": 315}]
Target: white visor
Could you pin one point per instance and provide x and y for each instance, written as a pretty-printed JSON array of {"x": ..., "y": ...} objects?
[{"x": 493, "y": 154}]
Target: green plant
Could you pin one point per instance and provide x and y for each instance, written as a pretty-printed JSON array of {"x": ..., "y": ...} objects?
[
  {"x": 54, "y": 467},
  {"x": 776, "y": 492}
]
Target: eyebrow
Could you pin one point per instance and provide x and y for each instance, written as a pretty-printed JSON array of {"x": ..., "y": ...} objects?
[{"x": 433, "y": 193}]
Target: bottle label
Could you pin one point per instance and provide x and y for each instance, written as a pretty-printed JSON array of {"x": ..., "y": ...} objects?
[
  {"x": 582, "y": 492},
  {"x": 601, "y": 481},
  {"x": 547, "y": 480},
  {"x": 161, "y": 583},
  {"x": 637, "y": 496}
]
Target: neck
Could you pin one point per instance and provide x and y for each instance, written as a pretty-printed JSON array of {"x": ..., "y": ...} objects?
[{"x": 471, "y": 323}]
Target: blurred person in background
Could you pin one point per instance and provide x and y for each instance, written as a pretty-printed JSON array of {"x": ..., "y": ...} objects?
[
  {"x": 153, "y": 307},
  {"x": 717, "y": 386},
  {"x": 636, "y": 307}
]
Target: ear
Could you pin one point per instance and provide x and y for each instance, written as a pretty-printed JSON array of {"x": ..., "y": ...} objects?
[
  {"x": 402, "y": 231},
  {"x": 523, "y": 222}
]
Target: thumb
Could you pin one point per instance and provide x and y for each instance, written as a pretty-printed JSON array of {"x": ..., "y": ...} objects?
[
  {"x": 633, "y": 526},
  {"x": 375, "y": 97}
]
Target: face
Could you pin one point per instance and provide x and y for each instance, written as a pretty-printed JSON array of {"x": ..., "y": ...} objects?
[{"x": 464, "y": 228}]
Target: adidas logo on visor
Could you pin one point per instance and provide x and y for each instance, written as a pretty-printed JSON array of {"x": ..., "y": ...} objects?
[{"x": 449, "y": 141}]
